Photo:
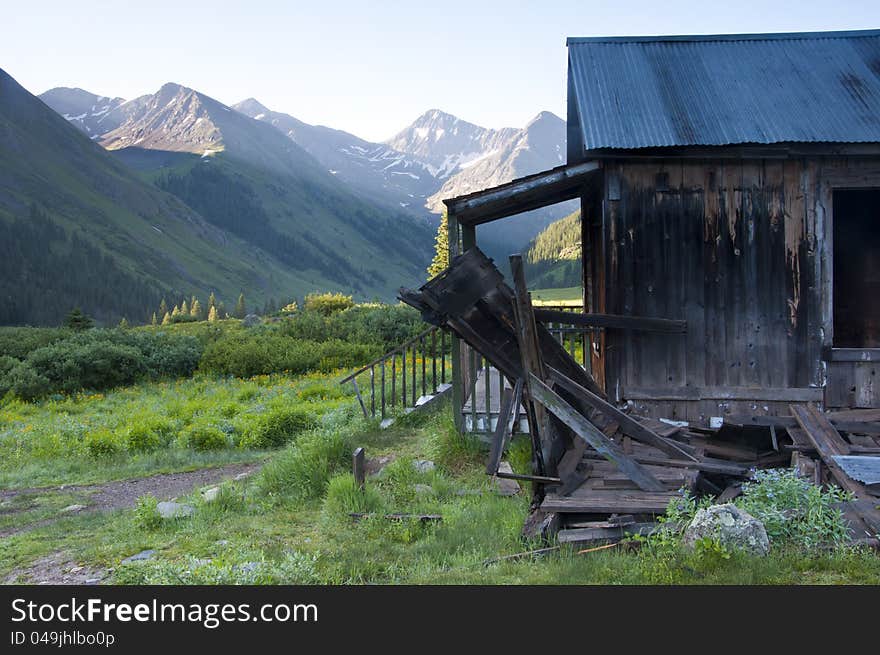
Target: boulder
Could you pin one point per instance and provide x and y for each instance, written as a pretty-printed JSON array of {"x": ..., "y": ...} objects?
[
  {"x": 138, "y": 557},
  {"x": 423, "y": 465},
  {"x": 171, "y": 510},
  {"x": 210, "y": 494},
  {"x": 734, "y": 528},
  {"x": 506, "y": 486},
  {"x": 73, "y": 508},
  {"x": 251, "y": 320}
]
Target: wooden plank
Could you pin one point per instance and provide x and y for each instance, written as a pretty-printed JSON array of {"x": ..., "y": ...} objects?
[
  {"x": 628, "y": 425},
  {"x": 795, "y": 394},
  {"x": 593, "y": 436},
  {"x": 827, "y": 443},
  {"x": 499, "y": 438},
  {"x": 851, "y": 354},
  {"x": 613, "y": 321},
  {"x": 589, "y": 535},
  {"x": 855, "y": 415},
  {"x": 610, "y": 502}
]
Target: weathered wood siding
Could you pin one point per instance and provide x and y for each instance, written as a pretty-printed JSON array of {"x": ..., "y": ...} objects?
[{"x": 737, "y": 248}]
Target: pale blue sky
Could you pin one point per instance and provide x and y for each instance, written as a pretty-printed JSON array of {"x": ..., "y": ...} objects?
[{"x": 366, "y": 67}]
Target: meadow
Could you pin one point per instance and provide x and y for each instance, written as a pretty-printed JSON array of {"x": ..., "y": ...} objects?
[{"x": 255, "y": 400}]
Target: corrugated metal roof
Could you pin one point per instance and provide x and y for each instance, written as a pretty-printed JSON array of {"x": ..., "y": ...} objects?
[{"x": 636, "y": 92}]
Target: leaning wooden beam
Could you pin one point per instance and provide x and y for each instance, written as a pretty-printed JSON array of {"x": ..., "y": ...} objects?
[
  {"x": 628, "y": 425},
  {"x": 544, "y": 395},
  {"x": 499, "y": 437},
  {"x": 828, "y": 443},
  {"x": 614, "y": 321}
]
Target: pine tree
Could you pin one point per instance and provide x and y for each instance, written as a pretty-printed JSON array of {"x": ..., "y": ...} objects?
[
  {"x": 123, "y": 324},
  {"x": 196, "y": 308},
  {"x": 441, "y": 248},
  {"x": 212, "y": 301},
  {"x": 175, "y": 311},
  {"x": 212, "y": 314},
  {"x": 154, "y": 321},
  {"x": 166, "y": 320},
  {"x": 163, "y": 308},
  {"x": 184, "y": 308},
  {"x": 240, "y": 310},
  {"x": 76, "y": 320},
  {"x": 221, "y": 310}
]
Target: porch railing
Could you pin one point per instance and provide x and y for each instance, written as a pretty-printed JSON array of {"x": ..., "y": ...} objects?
[{"x": 405, "y": 377}]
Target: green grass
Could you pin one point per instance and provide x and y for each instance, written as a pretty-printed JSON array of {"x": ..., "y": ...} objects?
[
  {"x": 569, "y": 296},
  {"x": 157, "y": 427},
  {"x": 291, "y": 524}
]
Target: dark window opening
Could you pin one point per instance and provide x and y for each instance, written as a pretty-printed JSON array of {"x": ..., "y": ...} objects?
[{"x": 856, "y": 218}]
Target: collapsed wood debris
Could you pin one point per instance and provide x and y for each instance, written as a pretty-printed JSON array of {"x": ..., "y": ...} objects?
[{"x": 598, "y": 473}]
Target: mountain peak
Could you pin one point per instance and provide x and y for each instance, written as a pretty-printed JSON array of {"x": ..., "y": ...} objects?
[{"x": 251, "y": 107}]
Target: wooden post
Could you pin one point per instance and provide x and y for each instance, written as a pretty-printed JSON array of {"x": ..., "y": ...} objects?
[
  {"x": 357, "y": 465},
  {"x": 457, "y": 380}
]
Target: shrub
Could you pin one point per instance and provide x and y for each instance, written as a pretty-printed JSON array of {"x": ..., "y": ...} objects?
[
  {"x": 327, "y": 303},
  {"x": 102, "y": 359},
  {"x": 320, "y": 391},
  {"x": 145, "y": 435},
  {"x": 26, "y": 383},
  {"x": 146, "y": 513},
  {"x": 276, "y": 427},
  {"x": 204, "y": 438},
  {"x": 794, "y": 511},
  {"x": 262, "y": 353},
  {"x": 19, "y": 342},
  {"x": 102, "y": 443},
  {"x": 384, "y": 325}
]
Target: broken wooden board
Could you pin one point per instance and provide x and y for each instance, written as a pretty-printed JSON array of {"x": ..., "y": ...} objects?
[
  {"x": 592, "y": 435},
  {"x": 598, "y": 534}
]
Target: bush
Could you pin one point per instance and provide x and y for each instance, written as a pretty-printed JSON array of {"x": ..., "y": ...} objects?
[
  {"x": 145, "y": 435},
  {"x": 276, "y": 427},
  {"x": 102, "y": 359},
  {"x": 384, "y": 325},
  {"x": 102, "y": 443},
  {"x": 263, "y": 352},
  {"x": 146, "y": 513},
  {"x": 204, "y": 438},
  {"x": 794, "y": 511},
  {"x": 26, "y": 383},
  {"x": 318, "y": 391},
  {"x": 327, "y": 303},
  {"x": 19, "y": 342}
]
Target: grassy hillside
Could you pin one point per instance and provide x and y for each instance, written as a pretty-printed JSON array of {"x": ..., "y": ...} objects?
[
  {"x": 79, "y": 228},
  {"x": 553, "y": 259}
]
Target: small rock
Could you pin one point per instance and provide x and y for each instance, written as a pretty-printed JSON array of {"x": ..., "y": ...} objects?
[
  {"x": 92, "y": 581},
  {"x": 424, "y": 489},
  {"x": 171, "y": 510},
  {"x": 73, "y": 508},
  {"x": 375, "y": 465},
  {"x": 242, "y": 476},
  {"x": 210, "y": 495},
  {"x": 423, "y": 465},
  {"x": 222, "y": 542},
  {"x": 251, "y": 320},
  {"x": 201, "y": 561},
  {"x": 504, "y": 486},
  {"x": 76, "y": 569},
  {"x": 138, "y": 557},
  {"x": 734, "y": 528}
]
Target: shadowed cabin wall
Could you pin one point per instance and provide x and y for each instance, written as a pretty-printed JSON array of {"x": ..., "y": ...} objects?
[{"x": 741, "y": 250}]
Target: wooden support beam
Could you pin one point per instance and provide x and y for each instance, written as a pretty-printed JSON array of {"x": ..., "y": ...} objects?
[
  {"x": 615, "y": 321},
  {"x": 628, "y": 425},
  {"x": 499, "y": 437},
  {"x": 357, "y": 466},
  {"x": 592, "y": 435}
]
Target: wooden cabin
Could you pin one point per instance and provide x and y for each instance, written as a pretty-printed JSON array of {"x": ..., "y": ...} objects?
[{"x": 732, "y": 182}]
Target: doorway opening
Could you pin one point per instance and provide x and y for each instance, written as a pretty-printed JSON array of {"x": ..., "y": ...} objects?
[{"x": 856, "y": 272}]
